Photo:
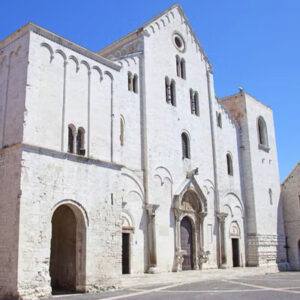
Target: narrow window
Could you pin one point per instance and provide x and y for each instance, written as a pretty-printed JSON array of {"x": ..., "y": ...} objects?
[
  {"x": 122, "y": 125},
  {"x": 168, "y": 90},
  {"x": 270, "y": 196},
  {"x": 80, "y": 142},
  {"x": 262, "y": 132},
  {"x": 71, "y": 138},
  {"x": 192, "y": 100},
  {"x": 129, "y": 81},
  {"x": 229, "y": 164},
  {"x": 219, "y": 120},
  {"x": 135, "y": 83},
  {"x": 178, "y": 66},
  {"x": 173, "y": 93},
  {"x": 185, "y": 146},
  {"x": 196, "y": 101},
  {"x": 182, "y": 68}
]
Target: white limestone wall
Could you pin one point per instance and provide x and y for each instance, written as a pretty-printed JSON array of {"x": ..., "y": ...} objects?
[
  {"x": 128, "y": 105},
  {"x": 229, "y": 186},
  {"x": 165, "y": 123},
  {"x": 260, "y": 173},
  {"x": 13, "y": 75},
  {"x": 13, "y": 72},
  {"x": 51, "y": 179},
  {"x": 66, "y": 87},
  {"x": 290, "y": 192},
  {"x": 10, "y": 172}
]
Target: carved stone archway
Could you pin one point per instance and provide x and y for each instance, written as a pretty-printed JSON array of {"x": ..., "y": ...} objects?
[{"x": 189, "y": 204}]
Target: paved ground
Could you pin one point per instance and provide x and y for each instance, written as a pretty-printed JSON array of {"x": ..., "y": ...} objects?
[{"x": 285, "y": 285}]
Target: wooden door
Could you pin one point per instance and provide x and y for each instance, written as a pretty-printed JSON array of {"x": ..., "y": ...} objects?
[{"x": 186, "y": 235}]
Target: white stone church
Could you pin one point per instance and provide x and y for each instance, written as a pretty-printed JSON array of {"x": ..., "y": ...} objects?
[{"x": 126, "y": 161}]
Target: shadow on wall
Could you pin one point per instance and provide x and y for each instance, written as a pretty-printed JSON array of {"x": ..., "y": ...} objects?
[{"x": 282, "y": 259}]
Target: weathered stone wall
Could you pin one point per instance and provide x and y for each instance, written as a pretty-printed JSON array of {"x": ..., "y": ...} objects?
[
  {"x": 13, "y": 72},
  {"x": 52, "y": 179},
  {"x": 260, "y": 174},
  {"x": 290, "y": 197},
  {"x": 10, "y": 193}
]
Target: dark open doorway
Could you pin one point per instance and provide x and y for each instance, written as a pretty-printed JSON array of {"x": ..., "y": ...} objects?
[
  {"x": 67, "y": 259},
  {"x": 235, "y": 253},
  {"x": 125, "y": 253}
]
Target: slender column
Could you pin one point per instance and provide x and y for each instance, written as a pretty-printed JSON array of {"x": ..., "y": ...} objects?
[
  {"x": 223, "y": 257},
  {"x": 202, "y": 255},
  {"x": 63, "y": 108},
  {"x": 89, "y": 114},
  {"x": 152, "y": 255}
]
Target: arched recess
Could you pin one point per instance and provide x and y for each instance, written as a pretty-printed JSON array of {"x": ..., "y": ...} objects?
[
  {"x": 189, "y": 204},
  {"x": 68, "y": 248}
]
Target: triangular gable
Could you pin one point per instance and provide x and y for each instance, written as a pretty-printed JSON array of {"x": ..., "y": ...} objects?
[{"x": 159, "y": 20}]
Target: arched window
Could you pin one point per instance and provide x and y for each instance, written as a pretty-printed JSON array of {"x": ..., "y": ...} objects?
[
  {"x": 80, "y": 142},
  {"x": 122, "y": 130},
  {"x": 178, "y": 66},
  {"x": 135, "y": 83},
  {"x": 71, "y": 138},
  {"x": 196, "y": 100},
  {"x": 270, "y": 196},
  {"x": 182, "y": 68},
  {"x": 185, "y": 146},
  {"x": 192, "y": 100},
  {"x": 129, "y": 81},
  {"x": 262, "y": 132},
  {"x": 219, "y": 120},
  {"x": 168, "y": 90},
  {"x": 229, "y": 164},
  {"x": 173, "y": 92}
]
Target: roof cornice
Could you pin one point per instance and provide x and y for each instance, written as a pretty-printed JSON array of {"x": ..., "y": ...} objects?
[{"x": 31, "y": 27}]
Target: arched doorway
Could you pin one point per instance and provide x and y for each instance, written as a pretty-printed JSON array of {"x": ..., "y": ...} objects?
[
  {"x": 127, "y": 231},
  {"x": 235, "y": 238},
  {"x": 186, "y": 236},
  {"x": 67, "y": 260}
]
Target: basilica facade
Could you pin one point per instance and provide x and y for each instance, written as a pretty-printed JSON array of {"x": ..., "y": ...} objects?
[{"x": 126, "y": 161}]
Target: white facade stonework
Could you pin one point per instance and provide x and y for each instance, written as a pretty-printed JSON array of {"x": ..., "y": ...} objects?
[
  {"x": 141, "y": 200},
  {"x": 290, "y": 198}
]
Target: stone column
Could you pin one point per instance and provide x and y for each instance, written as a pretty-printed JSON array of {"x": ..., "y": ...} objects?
[
  {"x": 201, "y": 252},
  {"x": 152, "y": 255},
  {"x": 223, "y": 258}
]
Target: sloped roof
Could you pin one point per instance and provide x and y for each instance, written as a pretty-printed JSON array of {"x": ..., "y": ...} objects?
[{"x": 291, "y": 173}]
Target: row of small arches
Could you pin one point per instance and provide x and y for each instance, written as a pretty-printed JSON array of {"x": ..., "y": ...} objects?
[{"x": 76, "y": 61}]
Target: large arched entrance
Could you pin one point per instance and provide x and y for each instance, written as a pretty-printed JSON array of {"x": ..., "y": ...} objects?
[
  {"x": 67, "y": 260},
  {"x": 189, "y": 216},
  {"x": 186, "y": 237}
]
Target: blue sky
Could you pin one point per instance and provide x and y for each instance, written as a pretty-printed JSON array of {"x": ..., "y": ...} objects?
[{"x": 254, "y": 43}]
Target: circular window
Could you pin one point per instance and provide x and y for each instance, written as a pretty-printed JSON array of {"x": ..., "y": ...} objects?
[{"x": 179, "y": 42}]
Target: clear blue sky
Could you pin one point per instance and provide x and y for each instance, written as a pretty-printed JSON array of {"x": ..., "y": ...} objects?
[{"x": 253, "y": 43}]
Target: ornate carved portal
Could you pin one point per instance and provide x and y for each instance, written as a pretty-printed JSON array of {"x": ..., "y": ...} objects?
[{"x": 189, "y": 213}]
